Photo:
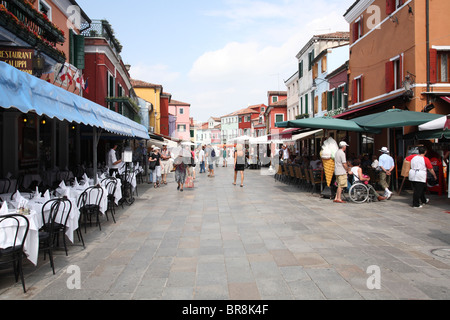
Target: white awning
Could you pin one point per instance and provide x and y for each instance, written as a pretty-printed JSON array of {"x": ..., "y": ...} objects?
[{"x": 305, "y": 135}]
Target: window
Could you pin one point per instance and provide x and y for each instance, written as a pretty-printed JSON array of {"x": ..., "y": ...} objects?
[
  {"x": 394, "y": 74},
  {"x": 443, "y": 64},
  {"x": 274, "y": 99},
  {"x": 358, "y": 90},
  {"x": 181, "y": 111},
  {"x": 279, "y": 117},
  {"x": 45, "y": 9},
  {"x": 310, "y": 58},
  {"x": 263, "y": 109},
  {"x": 357, "y": 29},
  {"x": 300, "y": 69},
  {"x": 110, "y": 90}
]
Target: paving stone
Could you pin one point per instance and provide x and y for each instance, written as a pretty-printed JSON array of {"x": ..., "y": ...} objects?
[{"x": 267, "y": 241}]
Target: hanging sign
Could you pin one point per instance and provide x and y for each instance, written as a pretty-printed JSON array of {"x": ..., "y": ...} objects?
[{"x": 19, "y": 58}]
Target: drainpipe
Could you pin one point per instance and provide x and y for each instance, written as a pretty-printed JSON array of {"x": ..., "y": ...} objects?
[{"x": 428, "y": 49}]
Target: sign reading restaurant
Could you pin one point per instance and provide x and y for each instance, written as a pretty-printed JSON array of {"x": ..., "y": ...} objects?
[{"x": 20, "y": 58}]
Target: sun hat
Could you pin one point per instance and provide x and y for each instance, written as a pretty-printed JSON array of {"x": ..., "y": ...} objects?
[
  {"x": 343, "y": 144},
  {"x": 384, "y": 150}
]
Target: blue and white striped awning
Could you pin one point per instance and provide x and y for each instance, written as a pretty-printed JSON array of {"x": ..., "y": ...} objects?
[{"x": 27, "y": 93}]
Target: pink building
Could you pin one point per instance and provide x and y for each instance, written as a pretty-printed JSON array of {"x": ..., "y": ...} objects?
[{"x": 181, "y": 111}]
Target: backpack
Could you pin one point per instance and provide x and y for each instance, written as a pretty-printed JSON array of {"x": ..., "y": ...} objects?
[{"x": 213, "y": 153}]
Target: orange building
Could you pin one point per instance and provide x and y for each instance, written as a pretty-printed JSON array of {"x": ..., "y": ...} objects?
[{"x": 399, "y": 58}]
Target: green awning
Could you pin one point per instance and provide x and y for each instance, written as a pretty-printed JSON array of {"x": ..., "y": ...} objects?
[
  {"x": 325, "y": 123},
  {"x": 395, "y": 118},
  {"x": 429, "y": 135}
]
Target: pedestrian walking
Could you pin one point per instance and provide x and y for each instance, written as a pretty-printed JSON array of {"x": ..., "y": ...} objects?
[
  {"x": 418, "y": 177},
  {"x": 166, "y": 165},
  {"x": 224, "y": 155},
  {"x": 239, "y": 163},
  {"x": 155, "y": 166},
  {"x": 180, "y": 171},
  {"x": 386, "y": 165},
  {"x": 340, "y": 170},
  {"x": 201, "y": 159},
  {"x": 210, "y": 155}
]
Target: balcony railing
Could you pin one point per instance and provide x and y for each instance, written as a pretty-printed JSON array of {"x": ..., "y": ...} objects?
[
  {"x": 23, "y": 20},
  {"x": 102, "y": 29}
]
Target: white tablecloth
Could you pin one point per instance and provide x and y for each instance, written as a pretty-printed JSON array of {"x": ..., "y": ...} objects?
[
  {"x": 72, "y": 222},
  {"x": 75, "y": 193},
  {"x": 31, "y": 245}
]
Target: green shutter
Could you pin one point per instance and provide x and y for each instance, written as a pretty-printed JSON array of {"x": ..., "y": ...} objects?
[
  {"x": 329, "y": 100},
  {"x": 338, "y": 94},
  {"x": 79, "y": 51},
  {"x": 306, "y": 104}
]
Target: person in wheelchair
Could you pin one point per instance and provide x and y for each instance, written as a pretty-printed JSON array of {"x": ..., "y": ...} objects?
[{"x": 359, "y": 177}]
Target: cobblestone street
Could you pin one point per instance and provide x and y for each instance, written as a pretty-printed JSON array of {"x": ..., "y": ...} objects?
[{"x": 266, "y": 241}]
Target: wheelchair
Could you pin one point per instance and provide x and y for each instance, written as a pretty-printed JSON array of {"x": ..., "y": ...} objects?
[{"x": 359, "y": 192}]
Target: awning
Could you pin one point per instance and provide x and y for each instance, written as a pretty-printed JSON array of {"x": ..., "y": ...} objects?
[
  {"x": 429, "y": 135},
  {"x": 395, "y": 118},
  {"x": 305, "y": 135},
  {"x": 442, "y": 123},
  {"x": 377, "y": 104},
  {"x": 446, "y": 98},
  {"x": 27, "y": 93},
  {"x": 324, "y": 123}
]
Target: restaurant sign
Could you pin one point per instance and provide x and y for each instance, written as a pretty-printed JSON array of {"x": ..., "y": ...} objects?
[{"x": 20, "y": 58}]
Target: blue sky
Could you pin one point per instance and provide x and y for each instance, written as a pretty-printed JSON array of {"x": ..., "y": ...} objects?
[{"x": 218, "y": 55}]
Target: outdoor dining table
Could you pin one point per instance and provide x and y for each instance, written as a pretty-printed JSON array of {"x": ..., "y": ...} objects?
[
  {"x": 31, "y": 245},
  {"x": 74, "y": 192}
]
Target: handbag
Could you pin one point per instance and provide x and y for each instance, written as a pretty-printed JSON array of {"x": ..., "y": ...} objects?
[
  {"x": 152, "y": 165},
  {"x": 189, "y": 182}
]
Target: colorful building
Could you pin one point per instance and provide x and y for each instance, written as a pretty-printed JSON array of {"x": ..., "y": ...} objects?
[
  {"x": 151, "y": 93},
  {"x": 108, "y": 77},
  {"x": 181, "y": 111},
  {"x": 400, "y": 59},
  {"x": 306, "y": 56},
  {"x": 276, "y": 111}
]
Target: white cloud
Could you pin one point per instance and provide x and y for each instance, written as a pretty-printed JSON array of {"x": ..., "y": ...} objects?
[{"x": 158, "y": 73}]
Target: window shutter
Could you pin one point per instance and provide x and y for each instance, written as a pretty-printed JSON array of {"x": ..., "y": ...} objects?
[
  {"x": 389, "y": 76},
  {"x": 79, "y": 51},
  {"x": 361, "y": 89},
  {"x": 329, "y": 100},
  {"x": 306, "y": 104},
  {"x": 390, "y": 6},
  {"x": 324, "y": 64},
  {"x": 354, "y": 91},
  {"x": 355, "y": 31},
  {"x": 433, "y": 65},
  {"x": 346, "y": 97}
]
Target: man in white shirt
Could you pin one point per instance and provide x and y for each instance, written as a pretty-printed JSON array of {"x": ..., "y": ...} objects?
[
  {"x": 113, "y": 163},
  {"x": 201, "y": 159},
  {"x": 387, "y": 165}
]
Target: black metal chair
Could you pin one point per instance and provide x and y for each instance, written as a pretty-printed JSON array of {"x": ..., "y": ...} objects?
[
  {"x": 111, "y": 186},
  {"x": 55, "y": 222},
  {"x": 5, "y": 184},
  {"x": 15, "y": 227},
  {"x": 89, "y": 205}
]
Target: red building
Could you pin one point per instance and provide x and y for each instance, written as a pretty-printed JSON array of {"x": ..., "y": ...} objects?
[
  {"x": 164, "y": 105},
  {"x": 276, "y": 111},
  {"x": 107, "y": 77},
  {"x": 245, "y": 117}
]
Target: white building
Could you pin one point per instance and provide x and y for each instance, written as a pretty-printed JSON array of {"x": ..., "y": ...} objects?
[
  {"x": 326, "y": 62},
  {"x": 305, "y": 57},
  {"x": 292, "y": 97}
]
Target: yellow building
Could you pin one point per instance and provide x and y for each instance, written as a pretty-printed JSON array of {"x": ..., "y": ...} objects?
[{"x": 151, "y": 93}]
